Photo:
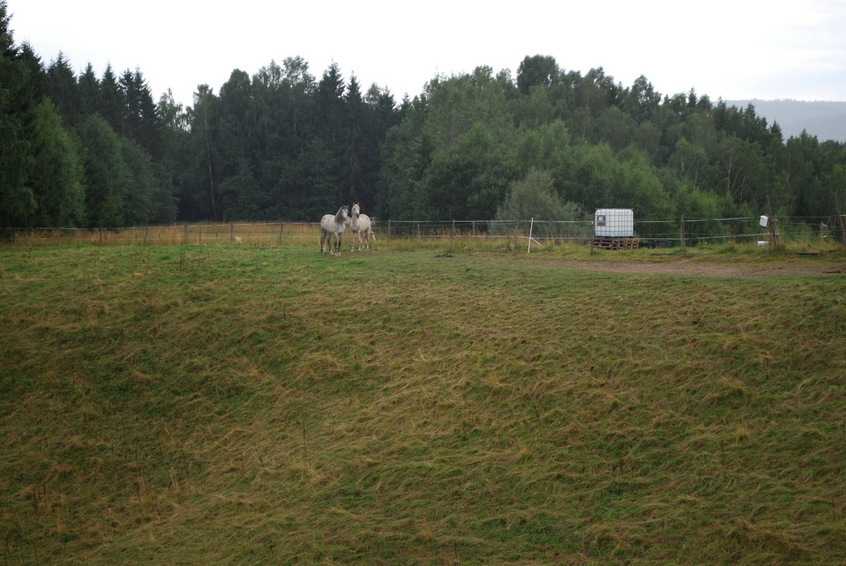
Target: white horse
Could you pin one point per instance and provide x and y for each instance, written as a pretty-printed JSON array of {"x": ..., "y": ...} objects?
[
  {"x": 332, "y": 228},
  {"x": 360, "y": 224}
]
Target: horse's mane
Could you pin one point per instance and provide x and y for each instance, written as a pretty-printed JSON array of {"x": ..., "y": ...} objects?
[{"x": 339, "y": 217}]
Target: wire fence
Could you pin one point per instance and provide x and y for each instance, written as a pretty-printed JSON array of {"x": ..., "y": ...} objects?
[{"x": 666, "y": 233}]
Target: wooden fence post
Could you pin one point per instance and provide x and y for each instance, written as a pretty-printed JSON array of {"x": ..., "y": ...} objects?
[
  {"x": 772, "y": 225},
  {"x": 516, "y": 229},
  {"x": 593, "y": 236},
  {"x": 840, "y": 219}
]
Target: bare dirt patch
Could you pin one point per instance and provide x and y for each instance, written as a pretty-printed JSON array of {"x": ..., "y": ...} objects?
[{"x": 688, "y": 265}]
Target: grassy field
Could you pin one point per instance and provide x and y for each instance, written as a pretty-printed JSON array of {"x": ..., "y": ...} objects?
[{"x": 257, "y": 405}]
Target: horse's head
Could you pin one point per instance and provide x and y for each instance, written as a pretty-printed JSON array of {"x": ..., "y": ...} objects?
[{"x": 356, "y": 210}]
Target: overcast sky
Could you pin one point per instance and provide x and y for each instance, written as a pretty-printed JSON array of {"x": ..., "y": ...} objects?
[{"x": 730, "y": 49}]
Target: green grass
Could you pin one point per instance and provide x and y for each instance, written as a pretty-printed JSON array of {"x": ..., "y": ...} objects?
[{"x": 260, "y": 405}]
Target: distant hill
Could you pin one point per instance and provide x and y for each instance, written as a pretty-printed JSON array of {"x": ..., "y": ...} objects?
[{"x": 825, "y": 120}]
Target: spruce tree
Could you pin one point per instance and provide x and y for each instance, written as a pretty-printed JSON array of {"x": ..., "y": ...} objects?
[
  {"x": 112, "y": 100},
  {"x": 89, "y": 92},
  {"x": 140, "y": 117},
  {"x": 62, "y": 89},
  {"x": 17, "y": 201}
]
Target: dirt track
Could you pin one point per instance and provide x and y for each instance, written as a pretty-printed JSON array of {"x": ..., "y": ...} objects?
[{"x": 691, "y": 266}]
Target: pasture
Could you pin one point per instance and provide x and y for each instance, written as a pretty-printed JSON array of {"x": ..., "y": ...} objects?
[{"x": 237, "y": 404}]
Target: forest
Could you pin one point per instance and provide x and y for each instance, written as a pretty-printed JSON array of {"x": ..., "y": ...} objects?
[{"x": 82, "y": 150}]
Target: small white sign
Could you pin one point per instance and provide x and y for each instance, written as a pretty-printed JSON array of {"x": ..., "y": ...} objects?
[{"x": 764, "y": 221}]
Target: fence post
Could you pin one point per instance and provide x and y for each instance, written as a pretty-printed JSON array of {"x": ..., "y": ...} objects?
[
  {"x": 389, "y": 233},
  {"x": 840, "y": 219},
  {"x": 452, "y": 232},
  {"x": 531, "y": 229},
  {"x": 772, "y": 226},
  {"x": 281, "y": 225},
  {"x": 683, "y": 239},
  {"x": 516, "y": 229},
  {"x": 593, "y": 235}
]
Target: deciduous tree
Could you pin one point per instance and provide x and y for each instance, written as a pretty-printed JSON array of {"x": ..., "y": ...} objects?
[
  {"x": 535, "y": 196},
  {"x": 56, "y": 177}
]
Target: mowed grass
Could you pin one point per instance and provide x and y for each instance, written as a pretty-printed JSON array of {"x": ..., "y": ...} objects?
[{"x": 253, "y": 405}]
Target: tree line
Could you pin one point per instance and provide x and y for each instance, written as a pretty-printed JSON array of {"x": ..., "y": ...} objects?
[{"x": 81, "y": 150}]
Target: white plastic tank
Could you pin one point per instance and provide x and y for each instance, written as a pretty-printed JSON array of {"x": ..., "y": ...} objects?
[{"x": 614, "y": 223}]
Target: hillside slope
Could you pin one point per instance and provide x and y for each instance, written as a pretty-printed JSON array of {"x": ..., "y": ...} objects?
[
  {"x": 249, "y": 405},
  {"x": 825, "y": 120}
]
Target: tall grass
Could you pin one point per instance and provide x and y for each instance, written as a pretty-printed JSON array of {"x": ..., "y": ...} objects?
[
  {"x": 402, "y": 236},
  {"x": 257, "y": 405}
]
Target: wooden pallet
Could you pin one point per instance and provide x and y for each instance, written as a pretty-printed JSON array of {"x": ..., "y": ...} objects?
[{"x": 616, "y": 243}]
